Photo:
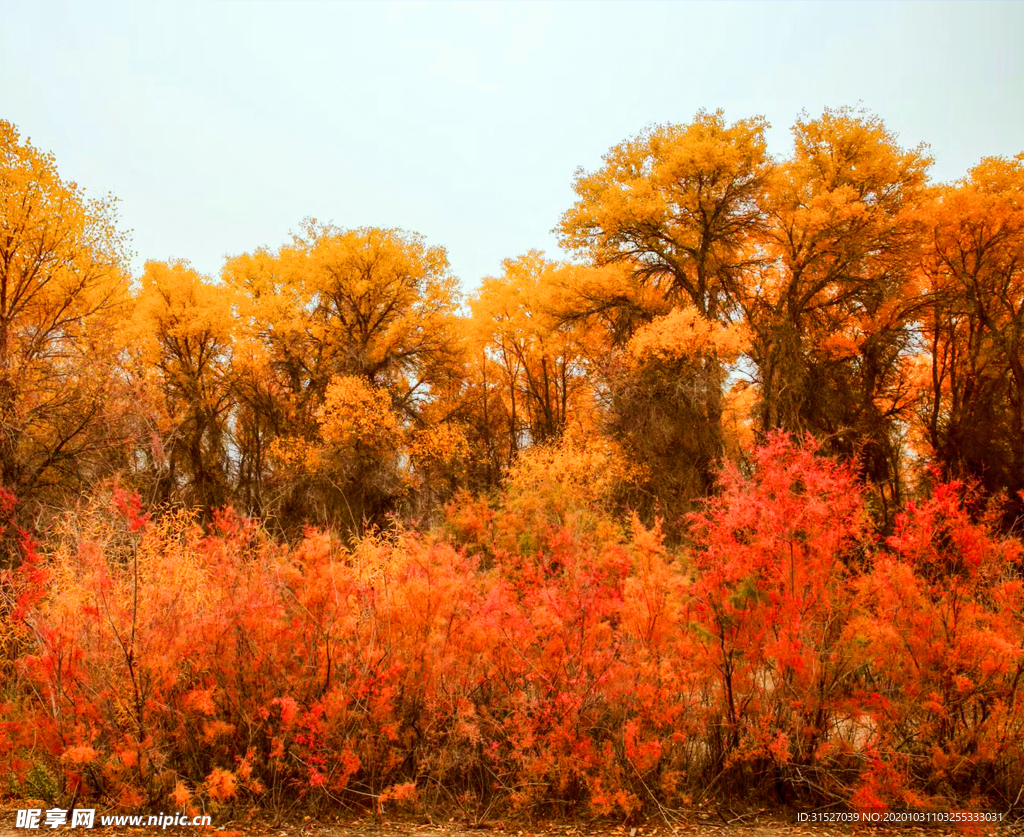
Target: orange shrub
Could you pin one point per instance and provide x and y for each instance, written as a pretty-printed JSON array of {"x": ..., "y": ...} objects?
[{"x": 557, "y": 660}]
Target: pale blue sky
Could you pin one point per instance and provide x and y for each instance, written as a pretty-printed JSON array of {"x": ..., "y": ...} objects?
[{"x": 221, "y": 125}]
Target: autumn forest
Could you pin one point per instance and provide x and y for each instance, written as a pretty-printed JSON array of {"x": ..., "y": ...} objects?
[{"x": 728, "y": 506}]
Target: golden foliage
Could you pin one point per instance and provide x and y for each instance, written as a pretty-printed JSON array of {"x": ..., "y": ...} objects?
[
  {"x": 443, "y": 446},
  {"x": 373, "y": 302},
  {"x": 574, "y": 471},
  {"x": 357, "y": 417},
  {"x": 62, "y": 282},
  {"x": 677, "y": 204},
  {"x": 683, "y": 333}
]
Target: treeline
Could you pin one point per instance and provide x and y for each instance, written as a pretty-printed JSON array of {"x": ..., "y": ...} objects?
[
  {"x": 721, "y": 294},
  {"x": 728, "y": 506}
]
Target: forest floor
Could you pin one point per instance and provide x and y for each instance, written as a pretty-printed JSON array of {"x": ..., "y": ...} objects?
[{"x": 762, "y": 824}]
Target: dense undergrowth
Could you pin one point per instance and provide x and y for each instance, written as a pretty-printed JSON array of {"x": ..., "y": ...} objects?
[{"x": 534, "y": 656}]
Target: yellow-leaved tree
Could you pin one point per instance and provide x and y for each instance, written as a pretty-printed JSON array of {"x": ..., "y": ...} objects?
[
  {"x": 183, "y": 333},
  {"x": 333, "y": 308},
  {"x": 62, "y": 282},
  {"x": 831, "y": 308},
  {"x": 679, "y": 207},
  {"x": 678, "y": 204},
  {"x": 529, "y": 365},
  {"x": 973, "y": 415}
]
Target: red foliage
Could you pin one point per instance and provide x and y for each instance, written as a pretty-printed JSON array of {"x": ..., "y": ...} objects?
[
  {"x": 774, "y": 555},
  {"x": 942, "y": 642},
  {"x": 557, "y": 662}
]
